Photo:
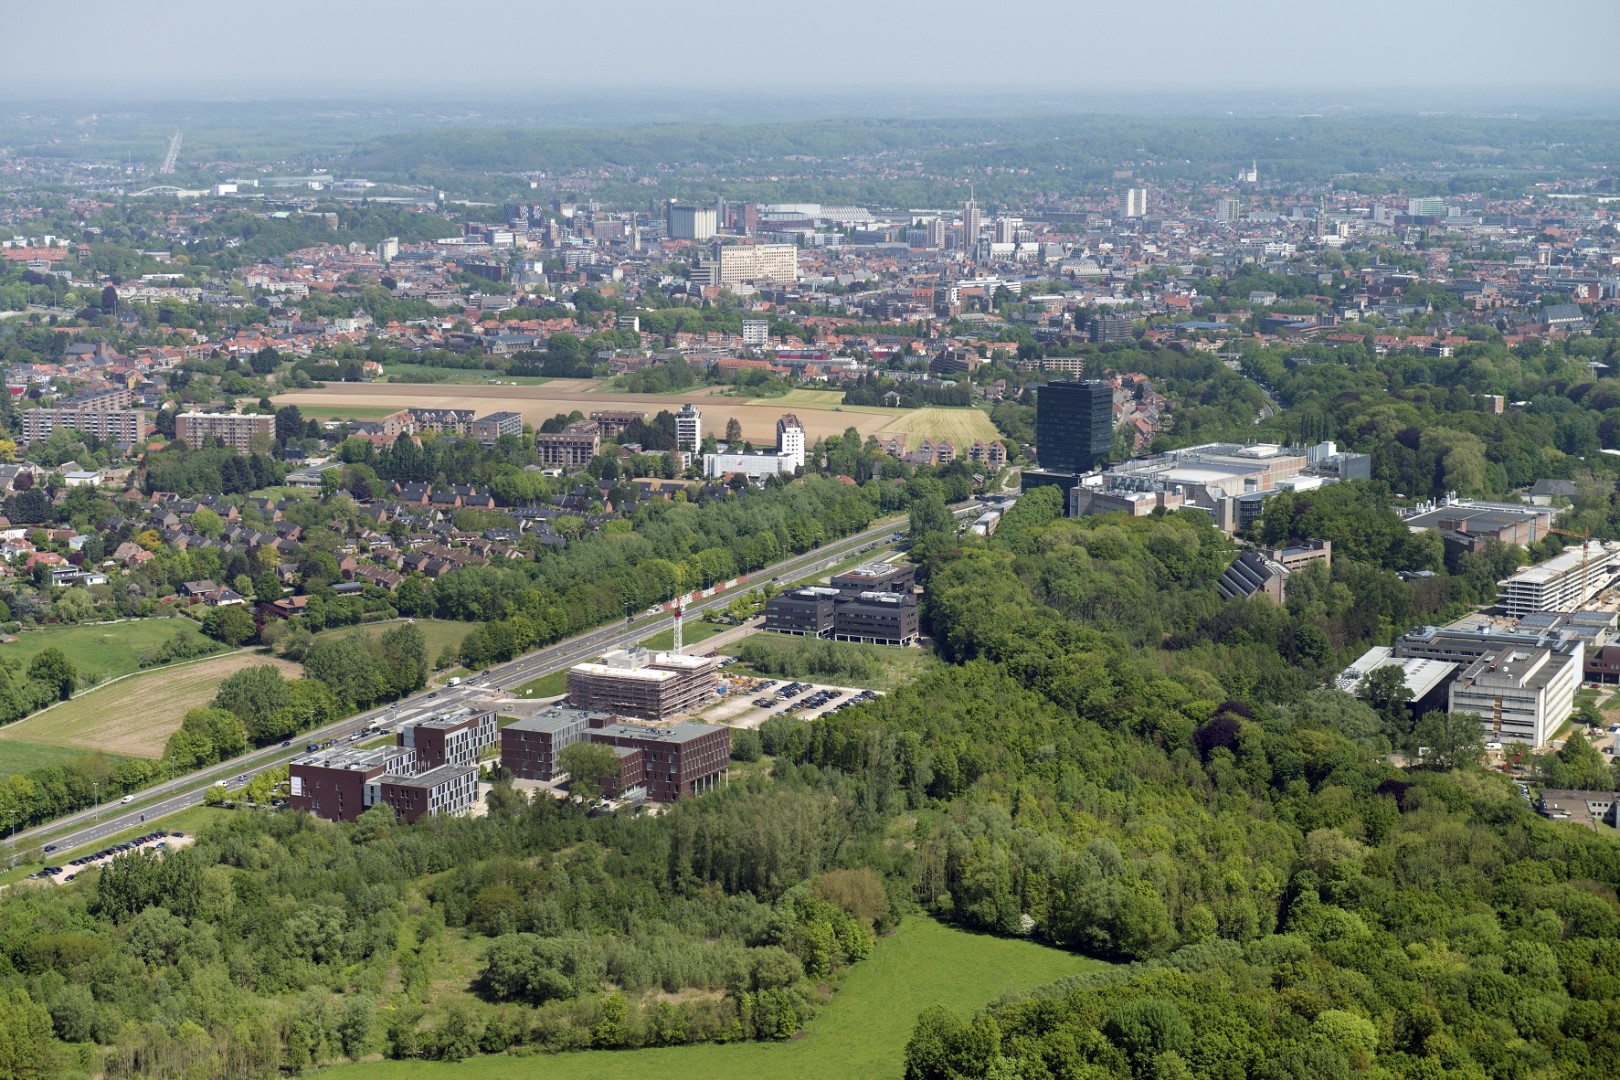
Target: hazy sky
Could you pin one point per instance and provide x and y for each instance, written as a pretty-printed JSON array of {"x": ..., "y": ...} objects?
[{"x": 191, "y": 46}]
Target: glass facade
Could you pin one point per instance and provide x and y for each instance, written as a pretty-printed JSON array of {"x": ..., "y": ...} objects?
[{"x": 1074, "y": 425}]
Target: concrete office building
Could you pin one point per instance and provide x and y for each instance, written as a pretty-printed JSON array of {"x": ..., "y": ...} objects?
[
  {"x": 453, "y": 737},
  {"x": 1136, "y": 202},
  {"x": 1521, "y": 694},
  {"x": 1074, "y": 425},
  {"x": 1564, "y": 582},
  {"x": 123, "y": 426},
  {"x": 1467, "y": 525},
  {"x": 340, "y": 785},
  {"x": 690, "y": 222},
  {"x": 488, "y": 429},
  {"x": 808, "y": 612},
  {"x": 633, "y": 683},
  {"x": 887, "y": 577},
  {"x": 235, "y": 430},
  {"x": 572, "y": 447},
  {"x": 689, "y": 429},
  {"x": 739, "y": 265},
  {"x": 877, "y": 618}
]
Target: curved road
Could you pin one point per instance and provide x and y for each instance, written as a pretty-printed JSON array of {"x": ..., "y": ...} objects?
[{"x": 85, "y": 827}]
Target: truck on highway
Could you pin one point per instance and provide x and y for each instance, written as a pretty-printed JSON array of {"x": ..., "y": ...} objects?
[{"x": 454, "y": 681}]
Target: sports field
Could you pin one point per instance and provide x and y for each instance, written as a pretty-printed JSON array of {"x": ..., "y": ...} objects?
[
  {"x": 818, "y": 410},
  {"x": 134, "y": 716},
  {"x": 861, "y": 1033},
  {"x": 106, "y": 650}
]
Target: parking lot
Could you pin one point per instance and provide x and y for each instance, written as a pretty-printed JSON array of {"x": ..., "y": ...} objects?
[
  {"x": 753, "y": 701},
  {"x": 154, "y": 841}
]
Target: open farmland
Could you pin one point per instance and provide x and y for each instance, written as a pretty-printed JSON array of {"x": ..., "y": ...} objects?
[
  {"x": 962, "y": 426},
  {"x": 818, "y": 410},
  {"x": 135, "y": 716},
  {"x": 862, "y": 1032}
]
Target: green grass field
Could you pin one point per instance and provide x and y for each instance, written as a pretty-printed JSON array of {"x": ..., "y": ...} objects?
[
  {"x": 105, "y": 651},
  {"x": 893, "y": 668},
  {"x": 694, "y": 631},
  {"x": 437, "y": 632},
  {"x": 20, "y": 757},
  {"x": 135, "y": 716},
  {"x": 861, "y": 1033},
  {"x": 543, "y": 687}
]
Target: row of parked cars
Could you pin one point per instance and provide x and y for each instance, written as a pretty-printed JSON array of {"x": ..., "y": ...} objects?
[{"x": 159, "y": 839}]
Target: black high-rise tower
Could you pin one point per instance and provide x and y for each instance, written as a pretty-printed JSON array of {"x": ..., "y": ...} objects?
[{"x": 1074, "y": 425}]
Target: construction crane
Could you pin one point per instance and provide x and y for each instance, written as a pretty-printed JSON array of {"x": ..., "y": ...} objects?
[{"x": 1585, "y": 537}]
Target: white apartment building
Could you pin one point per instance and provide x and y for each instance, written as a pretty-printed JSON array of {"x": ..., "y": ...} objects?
[
  {"x": 790, "y": 439},
  {"x": 689, "y": 429}
]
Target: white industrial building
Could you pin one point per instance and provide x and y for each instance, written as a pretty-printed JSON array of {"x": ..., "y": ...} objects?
[{"x": 755, "y": 466}]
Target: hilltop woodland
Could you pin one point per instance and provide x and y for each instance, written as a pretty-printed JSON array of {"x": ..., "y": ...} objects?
[{"x": 1116, "y": 762}]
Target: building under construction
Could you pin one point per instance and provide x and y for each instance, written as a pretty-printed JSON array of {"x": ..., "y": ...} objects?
[{"x": 652, "y": 686}]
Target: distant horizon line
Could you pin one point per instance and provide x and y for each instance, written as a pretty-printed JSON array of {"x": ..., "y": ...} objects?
[{"x": 229, "y": 91}]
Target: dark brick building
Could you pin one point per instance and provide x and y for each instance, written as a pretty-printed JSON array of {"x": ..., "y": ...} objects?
[
  {"x": 340, "y": 785},
  {"x": 677, "y": 762},
  {"x": 529, "y": 748},
  {"x": 449, "y": 789},
  {"x": 455, "y": 737}
]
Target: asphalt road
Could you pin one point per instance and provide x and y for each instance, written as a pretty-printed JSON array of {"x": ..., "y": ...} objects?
[{"x": 88, "y": 826}]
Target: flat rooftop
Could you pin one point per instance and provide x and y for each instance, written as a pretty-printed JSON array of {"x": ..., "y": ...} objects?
[
  {"x": 351, "y": 758},
  {"x": 432, "y": 778},
  {"x": 552, "y": 720},
  {"x": 683, "y": 732},
  {"x": 638, "y": 674},
  {"x": 450, "y": 718}
]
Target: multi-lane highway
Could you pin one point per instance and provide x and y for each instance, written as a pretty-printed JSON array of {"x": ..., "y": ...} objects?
[{"x": 88, "y": 826}]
